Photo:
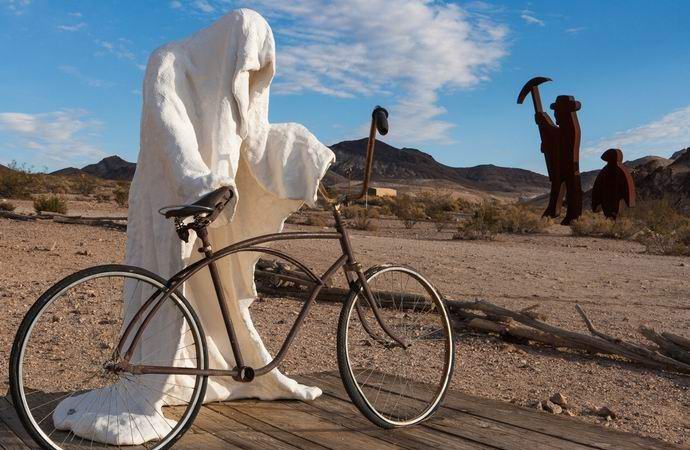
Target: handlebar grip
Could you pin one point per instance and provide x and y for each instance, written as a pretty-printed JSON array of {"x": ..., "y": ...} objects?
[{"x": 380, "y": 116}]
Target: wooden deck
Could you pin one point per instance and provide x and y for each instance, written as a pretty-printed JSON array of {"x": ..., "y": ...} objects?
[{"x": 332, "y": 422}]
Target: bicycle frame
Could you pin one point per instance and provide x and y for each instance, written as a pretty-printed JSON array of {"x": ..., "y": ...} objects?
[{"x": 353, "y": 273}]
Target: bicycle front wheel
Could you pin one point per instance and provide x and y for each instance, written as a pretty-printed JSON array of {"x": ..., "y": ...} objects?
[
  {"x": 62, "y": 381},
  {"x": 396, "y": 384}
]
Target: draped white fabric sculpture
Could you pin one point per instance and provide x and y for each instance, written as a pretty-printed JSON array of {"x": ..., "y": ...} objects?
[{"x": 204, "y": 125}]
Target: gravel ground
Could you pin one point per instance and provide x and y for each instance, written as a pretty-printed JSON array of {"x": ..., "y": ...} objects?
[{"x": 619, "y": 286}]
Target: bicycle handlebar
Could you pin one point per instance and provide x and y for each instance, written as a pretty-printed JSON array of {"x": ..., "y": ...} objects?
[
  {"x": 380, "y": 117},
  {"x": 379, "y": 122}
]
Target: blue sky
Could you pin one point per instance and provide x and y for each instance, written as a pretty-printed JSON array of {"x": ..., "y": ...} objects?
[{"x": 71, "y": 73}]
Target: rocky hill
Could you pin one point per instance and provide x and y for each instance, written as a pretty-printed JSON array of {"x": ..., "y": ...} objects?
[
  {"x": 672, "y": 180},
  {"x": 410, "y": 165},
  {"x": 110, "y": 168}
]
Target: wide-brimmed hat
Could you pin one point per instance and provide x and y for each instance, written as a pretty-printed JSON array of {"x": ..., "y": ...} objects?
[{"x": 566, "y": 102}]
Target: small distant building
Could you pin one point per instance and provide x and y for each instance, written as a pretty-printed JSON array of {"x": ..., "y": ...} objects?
[{"x": 381, "y": 192}]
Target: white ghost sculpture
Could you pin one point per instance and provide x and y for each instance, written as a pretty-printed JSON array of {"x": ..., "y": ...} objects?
[{"x": 204, "y": 125}]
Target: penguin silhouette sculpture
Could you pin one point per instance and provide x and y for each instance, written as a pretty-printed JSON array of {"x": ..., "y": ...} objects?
[{"x": 613, "y": 184}]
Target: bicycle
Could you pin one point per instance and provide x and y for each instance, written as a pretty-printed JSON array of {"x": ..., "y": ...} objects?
[{"x": 393, "y": 327}]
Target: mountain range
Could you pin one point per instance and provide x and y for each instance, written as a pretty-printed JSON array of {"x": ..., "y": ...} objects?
[
  {"x": 110, "y": 168},
  {"x": 404, "y": 168}
]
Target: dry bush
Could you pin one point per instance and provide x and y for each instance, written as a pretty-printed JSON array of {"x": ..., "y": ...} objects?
[
  {"x": 103, "y": 198},
  {"x": 19, "y": 182},
  {"x": 51, "y": 203},
  {"x": 484, "y": 223},
  {"x": 122, "y": 194},
  {"x": 84, "y": 184},
  {"x": 408, "y": 210},
  {"x": 597, "y": 225},
  {"x": 350, "y": 211},
  {"x": 491, "y": 218},
  {"x": 364, "y": 219},
  {"x": 655, "y": 223},
  {"x": 7, "y": 206},
  {"x": 316, "y": 220}
]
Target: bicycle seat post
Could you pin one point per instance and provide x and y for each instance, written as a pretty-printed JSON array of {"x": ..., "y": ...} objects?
[{"x": 243, "y": 373}]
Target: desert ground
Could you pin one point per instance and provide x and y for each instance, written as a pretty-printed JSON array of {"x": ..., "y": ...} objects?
[{"x": 618, "y": 285}]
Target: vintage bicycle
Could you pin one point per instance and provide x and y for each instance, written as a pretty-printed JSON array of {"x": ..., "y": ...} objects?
[{"x": 395, "y": 348}]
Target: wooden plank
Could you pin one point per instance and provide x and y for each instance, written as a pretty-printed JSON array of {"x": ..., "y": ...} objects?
[
  {"x": 336, "y": 408},
  {"x": 10, "y": 418},
  {"x": 287, "y": 417},
  {"x": 558, "y": 426},
  {"x": 235, "y": 433},
  {"x": 496, "y": 434},
  {"x": 195, "y": 439},
  {"x": 236, "y": 412},
  {"x": 9, "y": 440}
]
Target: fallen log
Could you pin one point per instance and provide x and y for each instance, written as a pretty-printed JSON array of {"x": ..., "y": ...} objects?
[
  {"x": 665, "y": 345},
  {"x": 524, "y": 333},
  {"x": 495, "y": 319},
  {"x": 14, "y": 216},
  {"x": 680, "y": 341}
]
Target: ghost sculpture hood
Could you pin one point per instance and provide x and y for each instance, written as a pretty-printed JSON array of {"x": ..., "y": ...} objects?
[{"x": 205, "y": 125}]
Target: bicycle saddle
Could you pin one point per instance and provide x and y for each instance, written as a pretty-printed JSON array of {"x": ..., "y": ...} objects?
[{"x": 210, "y": 205}]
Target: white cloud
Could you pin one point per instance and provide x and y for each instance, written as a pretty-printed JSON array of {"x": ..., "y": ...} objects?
[
  {"x": 575, "y": 30},
  {"x": 204, "y": 6},
  {"x": 76, "y": 14},
  {"x": 57, "y": 137},
  {"x": 665, "y": 135},
  {"x": 93, "y": 82},
  {"x": 529, "y": 17},
  {"x": 119, "y": 49},
  {"x": 400, "y": 53},
  {"x": 175, "y": 4},
  {"x": 75, "y": 27},
  {"x": 17, "y": 7},
  {"x": 403, "y": 53}
]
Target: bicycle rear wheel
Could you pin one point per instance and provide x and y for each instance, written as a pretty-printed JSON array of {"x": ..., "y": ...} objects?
[
  {"x": 62, "y": 381},
  {"x": 392, "y": 385}
]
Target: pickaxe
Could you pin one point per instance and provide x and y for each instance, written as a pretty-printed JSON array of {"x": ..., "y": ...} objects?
[{"x": 533, "y": 87}]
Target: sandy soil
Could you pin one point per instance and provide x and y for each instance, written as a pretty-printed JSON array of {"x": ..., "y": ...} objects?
[{"x": 618, "y": 285}]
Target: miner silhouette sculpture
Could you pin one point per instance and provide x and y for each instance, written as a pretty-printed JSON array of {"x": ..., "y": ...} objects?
[
  {"x": 612, "y": 185},
  {"x": 560, "y": 143}
]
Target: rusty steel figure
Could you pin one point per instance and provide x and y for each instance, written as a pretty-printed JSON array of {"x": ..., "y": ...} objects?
[
  {"x": 560, "y": 143},
  {"x": 612, "y": 185}
]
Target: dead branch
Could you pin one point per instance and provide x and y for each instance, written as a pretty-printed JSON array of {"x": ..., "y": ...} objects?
[
  {"x": 680, "y": 341},
  {"x": 665, "y": 345},
  {"x": 13, "y": 216}
]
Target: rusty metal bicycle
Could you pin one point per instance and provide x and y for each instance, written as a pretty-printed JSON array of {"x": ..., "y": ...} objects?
[{"x": 395, "y": 345}]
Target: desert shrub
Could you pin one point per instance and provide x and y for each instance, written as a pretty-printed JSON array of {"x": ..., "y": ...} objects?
[
  {"x": 485, "y": 223},
  {"x": 674, "y": 243},
  {"x": 364, "y": 220},
  {"x": 491, "y": 218},
  {"x": 520, "y": 219},
  {"x": 316, "y": 220},
  {"x": 17, "y": 183},
  {"x": 441, "y": 219},
  {"x": 351, "y": 211},
  {"x": 657, "y": 215},
  {"x": 50, "y": 204},
  {"x": 597, "y": 225},
  {"x": 121, "y": 194},
  {"x": 655, "y": 223},
  {"x": 7, "y": 206},
  {"x": 84, "y": 185},
  {"x": 103, "y": 198},
  {"x": 408, "y": 210}
]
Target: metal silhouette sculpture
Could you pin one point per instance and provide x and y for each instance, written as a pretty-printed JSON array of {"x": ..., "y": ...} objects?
[
  {"x": 560, "y": 143},
  {"x": 612, "y": 185}
]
